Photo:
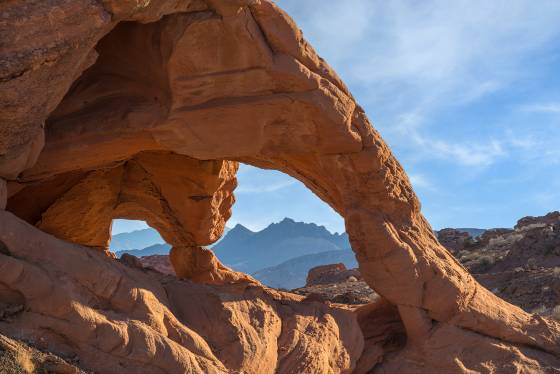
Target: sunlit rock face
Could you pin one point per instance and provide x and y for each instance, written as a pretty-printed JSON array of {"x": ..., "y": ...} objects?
[{"x": 120, "y": 109}]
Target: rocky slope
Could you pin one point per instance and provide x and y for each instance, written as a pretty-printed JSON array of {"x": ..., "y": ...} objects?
[
  {"x": 142, "y": 110},
  {"x": 533, "y": 243},
  {"x": 17, "y": 357},
  {"x": 122, "y": 319},
  {"x": 536, "y": 291},
  {"x": 516, "y": 264}
]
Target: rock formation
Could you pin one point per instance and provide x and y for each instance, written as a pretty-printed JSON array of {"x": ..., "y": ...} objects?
[
  {"x": 127, "y": 109},
  {"x": 454, "y": 240},
  {"x": 551, "y": 218},
  {"x": 532, "y": 290},
  {"x": 519, "y": 265},
  {"x": 72, "y": 300},
  {"x": 333, "y": 273},
  {"x": 159, "y": 263},
  {"x": 337, "y": 284}
]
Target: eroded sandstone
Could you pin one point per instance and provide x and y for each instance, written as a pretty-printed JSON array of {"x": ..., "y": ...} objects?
[
  {"x": 141, "y": 110},
  {"x": 120, "y": 319}
]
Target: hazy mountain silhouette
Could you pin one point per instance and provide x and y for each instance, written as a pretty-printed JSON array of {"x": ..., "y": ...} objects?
[
  {"x": 135, "y": 240},
  {"x": 156, "y": 249},
  {"x": 248, "y": 251},
  {"x": 144, "y": 242},
  {"x": 292, "y": 273}
]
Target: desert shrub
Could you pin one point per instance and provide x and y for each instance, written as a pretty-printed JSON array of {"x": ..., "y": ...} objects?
[
  {"x": 463, "y": 255},
  {"x": 470, "y": 242},
  {"x": 556, "y": 313},
  {"x": 531, "y": 263},
  {"x": 485, "y": 262},
  {"x": 504, "y": 240},
  {"x": 549, "y": 249},
  {"x": 480, "y": 264},
  {"x": 531, "y": 226}
]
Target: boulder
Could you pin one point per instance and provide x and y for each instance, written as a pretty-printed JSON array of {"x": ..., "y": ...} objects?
[
  {"x": 548, "y": 219},
  {"x": 488, "y": 235},
  {"x": 332, "y": 273},
  {"x": 159, "y": 263},
  {"x": 454, "y": 240}
]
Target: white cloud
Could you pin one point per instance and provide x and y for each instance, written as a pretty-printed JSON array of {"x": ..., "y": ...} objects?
[{"x": 409, "y": 61}]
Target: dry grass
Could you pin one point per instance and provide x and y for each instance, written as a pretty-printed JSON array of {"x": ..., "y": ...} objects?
[
  {"x": 504, "y": 240},
  {"x": 541, "y": 310}
]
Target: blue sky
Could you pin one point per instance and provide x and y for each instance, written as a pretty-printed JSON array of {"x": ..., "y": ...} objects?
[{"x": 466, "y": 93}]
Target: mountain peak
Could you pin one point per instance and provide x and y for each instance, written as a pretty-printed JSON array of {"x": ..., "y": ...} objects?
[
  {"x": 240, "y": 228},
  {"x": 248, "y": 251},
  {"x": 287, "y": 220}
]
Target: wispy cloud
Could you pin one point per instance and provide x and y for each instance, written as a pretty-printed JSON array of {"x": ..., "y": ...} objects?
[
  {"x": 412, "y": 60},
  {"x": 420, "y": 181},
  {"x": 551, "y": 108},
  {"x": 468, "y": 152},
  {"x": 266, "y": 187},
  {"x": 436, "y": 41}
]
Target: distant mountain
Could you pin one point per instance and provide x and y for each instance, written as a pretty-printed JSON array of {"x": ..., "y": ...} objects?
[
  {"x": 156, "y": 249},
  {"x": 248, "y": 251},
  {"x": 132, "y": 243},
  {"x": 292, "y": 273},
  {"x": 135, "y": 240}
]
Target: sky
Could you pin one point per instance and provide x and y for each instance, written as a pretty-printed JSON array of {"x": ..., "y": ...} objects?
[{"x": 466, "y": 94}]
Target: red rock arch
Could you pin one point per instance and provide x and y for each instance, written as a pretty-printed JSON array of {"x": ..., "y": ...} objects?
[{"x": 214, "y": 84}]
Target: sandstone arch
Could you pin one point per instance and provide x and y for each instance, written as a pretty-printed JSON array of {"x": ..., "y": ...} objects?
[{"x": 212, "y": 83}]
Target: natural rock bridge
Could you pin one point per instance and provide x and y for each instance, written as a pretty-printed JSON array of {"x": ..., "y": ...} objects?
[{"x": 142, "y": 110}]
